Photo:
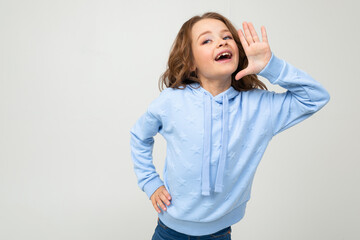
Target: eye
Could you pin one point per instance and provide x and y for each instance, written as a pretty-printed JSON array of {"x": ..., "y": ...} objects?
[
  {"x": 206, "y": 41},
  {"x": 227, "y": 37}
]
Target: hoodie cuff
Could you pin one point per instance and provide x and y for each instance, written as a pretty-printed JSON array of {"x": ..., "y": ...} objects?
[
  {"x": 151, "y": 186},
  {"x": 273, "y": 69}
]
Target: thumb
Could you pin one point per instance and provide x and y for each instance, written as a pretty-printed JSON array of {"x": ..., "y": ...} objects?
[{"x": 241, "y": 74}]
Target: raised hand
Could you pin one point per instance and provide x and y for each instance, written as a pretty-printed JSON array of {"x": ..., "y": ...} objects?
[
  {"x": 258, "y": 52},
  {"x": 159, "y": 198}
]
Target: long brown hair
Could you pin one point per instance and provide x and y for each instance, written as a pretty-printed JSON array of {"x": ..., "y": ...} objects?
[{"x": 178, "y": 73}]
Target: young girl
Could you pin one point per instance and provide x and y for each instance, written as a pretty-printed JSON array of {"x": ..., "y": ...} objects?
[{"x": 217, "y": 119}]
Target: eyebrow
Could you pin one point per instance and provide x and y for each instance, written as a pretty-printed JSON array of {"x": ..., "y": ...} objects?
[{"x": 224, "y": 30}]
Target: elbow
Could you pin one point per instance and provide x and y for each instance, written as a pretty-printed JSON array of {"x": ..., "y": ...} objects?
[
  {"x": 317, "y": 102},
  {"x": 318, "y": 97},
  {"x": 324, "y": 99}
]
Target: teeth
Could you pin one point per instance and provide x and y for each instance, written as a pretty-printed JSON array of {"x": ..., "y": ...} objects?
[{"x": 223, "y": 54}]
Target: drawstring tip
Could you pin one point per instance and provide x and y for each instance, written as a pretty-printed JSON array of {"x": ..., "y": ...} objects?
[
  {"x": 218, "y": 189},
  {"x": 205, "y": 193}
]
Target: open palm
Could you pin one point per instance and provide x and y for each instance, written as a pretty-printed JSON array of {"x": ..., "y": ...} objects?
[{"x": 258, "y": 52}]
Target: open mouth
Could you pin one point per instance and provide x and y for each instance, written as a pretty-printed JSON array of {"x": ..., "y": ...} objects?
[{"x": 223, "y": 56}]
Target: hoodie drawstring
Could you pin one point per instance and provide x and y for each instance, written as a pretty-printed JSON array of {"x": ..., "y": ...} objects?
[
  {"x": 224, "y": 143},
  {"x": 207, "y": 143}
]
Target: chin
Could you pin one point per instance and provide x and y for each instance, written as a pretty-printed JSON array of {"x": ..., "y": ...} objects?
[{"x": 229, "y": 71}]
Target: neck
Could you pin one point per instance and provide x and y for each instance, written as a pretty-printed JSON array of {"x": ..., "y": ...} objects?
[{"x": 215, "y": 87}]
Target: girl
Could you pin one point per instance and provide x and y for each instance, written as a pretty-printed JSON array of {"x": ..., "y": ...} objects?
[{"x": 217, "y": 119}]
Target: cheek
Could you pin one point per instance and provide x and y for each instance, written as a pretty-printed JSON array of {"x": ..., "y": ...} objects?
[
  {"x": 202, "y": 56},
  {"x": 206, "y": 55}
]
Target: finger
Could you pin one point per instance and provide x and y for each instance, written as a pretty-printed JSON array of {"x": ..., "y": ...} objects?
[
  {"x": 161, "y": 204},
  {"x": 263, "y": 34},
  {"x": 155, "y": 205},
  {"x": 241, "y": 74},
  {"x": 164, "y": 199},
  {"x": 243, "y": 41},
  {"x": 248, "y": 36},
  {"x": 167, "y": 195},
  {"x": 253, "y": 33}
]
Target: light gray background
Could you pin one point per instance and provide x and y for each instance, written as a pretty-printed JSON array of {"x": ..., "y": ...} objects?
[{"x": 76, "y": 75}]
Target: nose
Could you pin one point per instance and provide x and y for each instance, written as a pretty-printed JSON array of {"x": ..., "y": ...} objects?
[{"x": 222, "y": 43}]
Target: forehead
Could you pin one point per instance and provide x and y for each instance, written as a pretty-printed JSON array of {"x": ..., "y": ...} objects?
[{"x": 208, "y": 24}]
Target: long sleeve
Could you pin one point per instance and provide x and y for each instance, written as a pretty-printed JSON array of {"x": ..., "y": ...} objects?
[
  {"x": 142, "y": 142},
  {"x": 304, "y": 95}
]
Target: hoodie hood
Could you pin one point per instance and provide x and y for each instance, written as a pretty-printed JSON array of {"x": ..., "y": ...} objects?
[{"x": 208, "y": 100}]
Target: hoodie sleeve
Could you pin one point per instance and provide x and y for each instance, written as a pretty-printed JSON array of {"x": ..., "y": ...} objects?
[
  {"x": 142, "y": 142},
  {"x": 304, "y": 95}
]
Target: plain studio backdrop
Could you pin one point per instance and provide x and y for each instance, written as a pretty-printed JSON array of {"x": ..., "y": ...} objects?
[{"x": 76, "y": 75}]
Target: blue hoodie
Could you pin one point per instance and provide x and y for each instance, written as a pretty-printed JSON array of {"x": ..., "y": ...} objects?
[{"x": 215, "y": 143}]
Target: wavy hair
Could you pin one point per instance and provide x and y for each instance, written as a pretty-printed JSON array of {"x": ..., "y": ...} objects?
[{"x": 178, "y": 72}]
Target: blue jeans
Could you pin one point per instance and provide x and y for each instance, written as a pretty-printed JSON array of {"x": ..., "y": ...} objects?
[{"x": 162, "y": 232}]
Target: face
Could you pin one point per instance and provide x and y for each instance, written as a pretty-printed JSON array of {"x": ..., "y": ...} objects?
[{"x": 216, "y": 55}]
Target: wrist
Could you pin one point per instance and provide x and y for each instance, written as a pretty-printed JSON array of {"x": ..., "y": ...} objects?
[
  {"x": 272, "y": 69},
  {"x": 151, "y": 186}
]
